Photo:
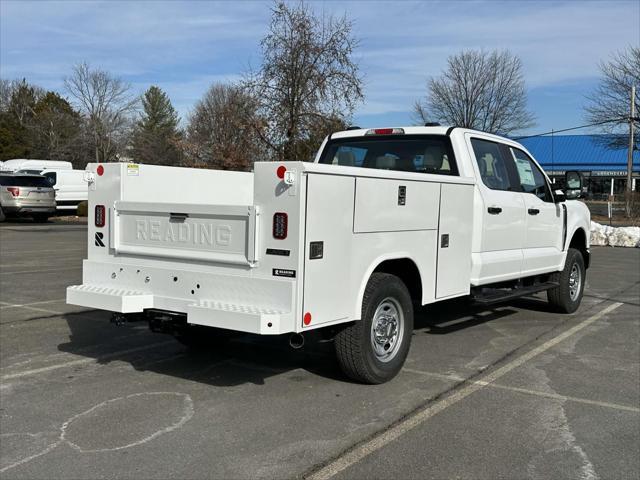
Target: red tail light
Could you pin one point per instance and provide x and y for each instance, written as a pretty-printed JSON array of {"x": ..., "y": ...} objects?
[
  {"x": 15, "y": 191},
  {"x": 280, "y": 225},
  {"x": 100, "y": 216}
]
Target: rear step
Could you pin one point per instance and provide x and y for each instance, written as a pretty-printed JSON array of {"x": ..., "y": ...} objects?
[{"x": 490, "y": 296}]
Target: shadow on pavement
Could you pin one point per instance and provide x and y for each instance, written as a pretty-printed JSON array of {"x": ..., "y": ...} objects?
[{"x": 248, "y": 358}]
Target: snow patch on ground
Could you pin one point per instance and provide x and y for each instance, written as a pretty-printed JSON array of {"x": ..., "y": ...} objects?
[{"x": 615, "y": 236}]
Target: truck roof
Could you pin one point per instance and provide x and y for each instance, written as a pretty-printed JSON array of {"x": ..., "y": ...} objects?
[{"x": 412, "y": 130}]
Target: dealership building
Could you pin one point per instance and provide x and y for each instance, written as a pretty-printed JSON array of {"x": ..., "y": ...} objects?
[{"x": 597, "y": 157}]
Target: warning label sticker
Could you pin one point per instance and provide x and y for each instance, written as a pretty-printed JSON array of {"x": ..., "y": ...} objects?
[{"x": 133, "y": 169}]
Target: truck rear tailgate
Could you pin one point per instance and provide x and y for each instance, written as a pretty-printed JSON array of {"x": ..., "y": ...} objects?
[{"x": 209, "y": 233}]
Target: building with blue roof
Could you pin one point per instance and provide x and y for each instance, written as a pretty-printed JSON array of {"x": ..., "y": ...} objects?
[{"x": 596, "y": 156}]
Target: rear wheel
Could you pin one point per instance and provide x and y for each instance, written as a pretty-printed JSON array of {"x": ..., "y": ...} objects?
[
  {"x": 40, "y": 217},
  {"x": 2, "y": 217},
  {"x": 373, "y": 350},
  {"x": 566, "y": 297}
]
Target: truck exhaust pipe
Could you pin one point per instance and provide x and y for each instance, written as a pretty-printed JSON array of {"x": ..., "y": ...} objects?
[{"x": 296, "y": 341}]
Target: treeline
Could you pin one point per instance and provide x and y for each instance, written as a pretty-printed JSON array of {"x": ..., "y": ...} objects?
[{"x": 307, "y": 86}]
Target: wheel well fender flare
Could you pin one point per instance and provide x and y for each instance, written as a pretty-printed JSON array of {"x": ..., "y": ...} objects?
[
  {"x": 579, "y": 240},
  {"x": 389, "y": 263}
]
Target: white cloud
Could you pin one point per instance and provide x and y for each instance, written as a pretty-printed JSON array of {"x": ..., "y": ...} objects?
[{"x": 184, "y": 46}]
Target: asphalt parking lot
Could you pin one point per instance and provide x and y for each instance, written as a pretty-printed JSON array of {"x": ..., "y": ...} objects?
[{"x": 510, "y": 392}]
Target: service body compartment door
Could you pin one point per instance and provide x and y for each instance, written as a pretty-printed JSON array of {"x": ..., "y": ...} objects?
[
  {"x": 328, "y": 239},
  {"x": 454, "y": 240}
]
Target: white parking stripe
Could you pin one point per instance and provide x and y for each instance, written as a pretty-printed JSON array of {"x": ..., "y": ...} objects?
[
  {"x": 58, "y": 251},
  {"x": 82, "y": 361},
  {"x": 78, "y": 267},
  {"x": 554, "y": 396},
  {"x": 5, "y": 305},
  {"x": 355, "y": 455}
]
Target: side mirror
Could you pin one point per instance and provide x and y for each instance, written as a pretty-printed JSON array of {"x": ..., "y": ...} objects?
[
  {"x": 559, "y": 196},
  {"x": 573, "y": 182}
]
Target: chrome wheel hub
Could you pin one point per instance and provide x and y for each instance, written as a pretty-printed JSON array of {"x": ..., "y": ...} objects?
[
  {"x": 387, "y": 329},
  {"x": 575, "y": 282}
]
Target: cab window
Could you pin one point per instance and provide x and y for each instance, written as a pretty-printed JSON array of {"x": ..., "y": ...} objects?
[
  {"x": 492, "y": 164},
  {"x": 406, "y": 153},
  {"x": 532, "y": 180},
  {"x": 51, "y": 178}
]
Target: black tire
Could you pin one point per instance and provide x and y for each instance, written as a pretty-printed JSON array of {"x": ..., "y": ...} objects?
[
  {"x": 40, "y": 217},
  {"x": 354, "y": 345},
  {"x": 565, "y": 298},
  {"x": 204, "y": 338},
  {"x": 2, "y": 216}
]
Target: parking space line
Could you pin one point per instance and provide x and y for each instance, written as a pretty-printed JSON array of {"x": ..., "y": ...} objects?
[
  {"x": 6, "y": 305},
  {"x": 82, "y": 361},
  {"x": 26, "y": 252},
  {"x": 37, "y": 309},
  {"x": 355, "y": 455},
  {"x": 78, "y": 267},
  {"x": 537, "y": 393}
]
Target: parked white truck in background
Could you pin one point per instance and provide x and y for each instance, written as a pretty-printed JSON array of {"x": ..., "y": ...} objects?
[{"x": 382, "y": 220}]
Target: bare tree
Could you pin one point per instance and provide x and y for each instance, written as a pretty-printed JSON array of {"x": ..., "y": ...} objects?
[
  {"x": 480, "y": 90},
  {"x": 224, "y": 130},
  {"x": 308, "y": 75},
  {"x": 610, "y": 101},
  {"x": 107, "y": 104}
]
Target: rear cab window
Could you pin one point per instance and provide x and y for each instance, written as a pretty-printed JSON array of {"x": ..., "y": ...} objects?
[
  {"x": 24, "y": 181},
  {"x": 404, "y": 153}
]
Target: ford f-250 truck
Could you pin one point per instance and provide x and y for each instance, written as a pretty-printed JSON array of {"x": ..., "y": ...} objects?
[{"x": 383, "y": 220}]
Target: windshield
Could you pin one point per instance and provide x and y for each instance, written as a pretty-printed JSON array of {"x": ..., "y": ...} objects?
[
  {"x": 423, "y": 154},
  {"x": 24, "y": 181}
]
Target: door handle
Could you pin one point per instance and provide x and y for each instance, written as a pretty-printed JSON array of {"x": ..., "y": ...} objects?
[
  {"x": 494, "y": 210},
  {"x": 533, "y": 211}
]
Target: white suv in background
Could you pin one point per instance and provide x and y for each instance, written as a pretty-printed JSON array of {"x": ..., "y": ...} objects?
[
  {"x": 26, "y": 195},
  {"x": 69, "y": 185}
]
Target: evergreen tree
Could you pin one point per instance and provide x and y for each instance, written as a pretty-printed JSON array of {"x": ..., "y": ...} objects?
[
  {"x": 16, "y": 115},
  {"x": 156, "y": 135}
]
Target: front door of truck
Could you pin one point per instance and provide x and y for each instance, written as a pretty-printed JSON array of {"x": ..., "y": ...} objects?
[
  {"x": 542, "y": 249},
  {"x": 500, "y": 213}
]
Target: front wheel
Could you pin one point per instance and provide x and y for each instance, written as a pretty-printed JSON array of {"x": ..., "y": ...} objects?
[
  {"x": 566, "y": 297},
  {"x": 373, "y": 350}
]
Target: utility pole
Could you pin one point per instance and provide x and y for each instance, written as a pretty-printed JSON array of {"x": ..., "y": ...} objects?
[{"x": 632, "y": 118}]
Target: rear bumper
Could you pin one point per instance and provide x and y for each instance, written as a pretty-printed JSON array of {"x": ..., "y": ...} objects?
[
  {"x": 245, "y": 304},
  {"x": 28, "y": 209}
]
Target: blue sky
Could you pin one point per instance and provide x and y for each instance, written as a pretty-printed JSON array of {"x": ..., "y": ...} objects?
[{"x": 185, "y": 46}]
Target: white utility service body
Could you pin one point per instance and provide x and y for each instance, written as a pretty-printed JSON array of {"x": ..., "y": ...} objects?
[{"x": 203, "y": 242}]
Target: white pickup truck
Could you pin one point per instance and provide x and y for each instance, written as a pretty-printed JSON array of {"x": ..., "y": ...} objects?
[{"x": 383, "y": 220}]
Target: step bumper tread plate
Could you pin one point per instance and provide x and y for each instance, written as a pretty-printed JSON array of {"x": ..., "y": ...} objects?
[
  {"x": 109, "y": 298},
  {"x": 251, "y": 319}
]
